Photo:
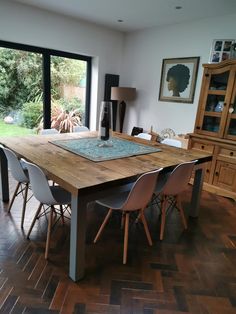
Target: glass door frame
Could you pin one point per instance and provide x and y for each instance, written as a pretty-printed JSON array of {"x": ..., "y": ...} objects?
[{"x": 46, "y": 54}]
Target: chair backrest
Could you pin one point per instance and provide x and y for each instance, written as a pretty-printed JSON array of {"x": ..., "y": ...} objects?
[
  {"x": 17, "y": 171},
  {"x": 141, "y": 191},
  {"x": 178, "y": 179},
  {"x": 48, "y": 131},
  {"x": 39, "y": 184},
  {"x": 145, "y": 136},
  {"x": 80, "y": 128},
  {"x": 172, "y": 142}
]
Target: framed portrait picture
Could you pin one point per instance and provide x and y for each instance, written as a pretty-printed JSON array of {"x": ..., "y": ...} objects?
[
  {"x": 178, "y": 79},
  {"x": 221, "y": 50}
]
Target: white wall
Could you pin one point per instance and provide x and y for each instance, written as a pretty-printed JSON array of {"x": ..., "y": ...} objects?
[
  {"x": 143, "y": 54},
  {"x": 27, "y": 25}
]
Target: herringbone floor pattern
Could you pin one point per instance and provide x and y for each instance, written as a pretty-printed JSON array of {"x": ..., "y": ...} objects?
[{"x": 189, "y": 272}]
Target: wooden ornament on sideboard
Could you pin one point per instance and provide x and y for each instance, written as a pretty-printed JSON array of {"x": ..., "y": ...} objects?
[{"x": 215, "y": 127}]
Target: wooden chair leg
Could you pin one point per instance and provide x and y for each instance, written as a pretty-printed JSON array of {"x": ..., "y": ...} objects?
[
  {"x": 62, "y": 214},
  {"x": 126, "y": 238},
  {"x": 122, "y": 220},
  {"x": 181, "y": 211},
  {"x": 33, "y": 222},
  {"x": 24, "y": 204},
  {"x": 13, "y": 197},
  {"x": 49, "y": 232},
  {"x": 144, "y": 221},
  {"x": 163, "y": 217},
  {"x": 103, "y": 225}
]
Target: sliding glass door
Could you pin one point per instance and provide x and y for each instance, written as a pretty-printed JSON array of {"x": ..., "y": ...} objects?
[{"x": 39, "y": 85}]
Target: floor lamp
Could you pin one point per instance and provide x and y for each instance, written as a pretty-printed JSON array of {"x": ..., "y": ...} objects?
[{"x": 122, "y": 94}]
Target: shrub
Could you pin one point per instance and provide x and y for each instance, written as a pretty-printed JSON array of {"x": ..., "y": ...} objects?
[
  {"x": 64, "y": 120},
  {"x": 31, "y": 114}
]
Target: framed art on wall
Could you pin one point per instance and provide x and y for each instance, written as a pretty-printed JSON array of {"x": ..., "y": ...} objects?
[
  {"x": 178, "y": 79},
  {"x": 220, "y": 50}
]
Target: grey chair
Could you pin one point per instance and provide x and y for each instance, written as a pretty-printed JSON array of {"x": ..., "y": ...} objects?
[
  {"x": 46, "y": 195},
  {"x": 20, "y": 174},
  {"x": 172, "y": 142},
  {"x": 169, "y": 189},
  {"x": 80, "y": 128},
  {"x": 134, "y": 200}
]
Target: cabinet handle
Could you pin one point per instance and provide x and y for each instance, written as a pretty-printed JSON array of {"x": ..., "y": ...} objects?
[
  {"x": 207, "y": 170},
  {"x": 231, "y": 153},
  {"x": 198, "y": 127},
  {"x": 217, "y": 173},
  {"x": 206, "y": 75},
  {"x": 224, "y": 104},
  {"x": 202, "y": 147}
]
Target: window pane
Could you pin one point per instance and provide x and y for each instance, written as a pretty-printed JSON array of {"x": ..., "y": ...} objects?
[
  {"x": 68, "y": 92},
  {"x": 21, "y": 91},
  {"x": 211, "y": 124}
]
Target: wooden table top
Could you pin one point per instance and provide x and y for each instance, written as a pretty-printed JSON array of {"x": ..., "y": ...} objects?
[{"x": 76, "y": 173}]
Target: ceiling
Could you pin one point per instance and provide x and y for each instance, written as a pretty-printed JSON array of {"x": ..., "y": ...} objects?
[{"x": 136, "y": 14}]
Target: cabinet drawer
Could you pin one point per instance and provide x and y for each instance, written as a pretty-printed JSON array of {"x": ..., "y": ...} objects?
[
  {"x": 225, "y": 152},
  {"x": 202, "y": 146}
]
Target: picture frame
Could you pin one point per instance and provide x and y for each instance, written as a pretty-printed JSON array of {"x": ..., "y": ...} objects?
[
  {"x": 221, "y": 50},
  {"x": 178, "y": 79}
]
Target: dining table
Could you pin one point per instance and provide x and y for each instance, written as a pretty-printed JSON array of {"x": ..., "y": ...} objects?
[{"x": 88, "y": 180}]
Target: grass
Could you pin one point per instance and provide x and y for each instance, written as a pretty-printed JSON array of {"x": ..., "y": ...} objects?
[{"x": 13, "y": 130}]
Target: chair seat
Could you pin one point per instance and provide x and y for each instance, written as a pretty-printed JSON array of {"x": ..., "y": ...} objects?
[
  {"x": 60, "y": 195},
  {"x": 114, "y": 201}
]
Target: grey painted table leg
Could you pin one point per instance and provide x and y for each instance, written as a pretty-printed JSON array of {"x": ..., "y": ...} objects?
[
  {"x": 4, "y": 177},
  {"x": 77, "y": 237},
  {"x": 196, "y": 193}
]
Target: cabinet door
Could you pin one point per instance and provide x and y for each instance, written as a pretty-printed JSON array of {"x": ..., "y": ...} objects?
[
  {"x": 230, "y": 130},
  {"x": 213, "y": 102},
  {"x": 225, "y": 176}
]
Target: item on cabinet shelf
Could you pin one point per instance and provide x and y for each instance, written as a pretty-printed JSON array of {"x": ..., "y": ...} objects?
[
  {"x": 233, "y": 51},
  {"x": 219, "y": 107}
]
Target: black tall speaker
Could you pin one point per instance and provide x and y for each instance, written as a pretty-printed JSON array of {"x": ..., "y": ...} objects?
[{"x": 110, "y": 81}]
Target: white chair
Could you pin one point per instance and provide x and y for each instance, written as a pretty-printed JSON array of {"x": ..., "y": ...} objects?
[
  {"x": 80, "y": 128},
  {"x": 20, "y": 174},
  {"x": 134, "y": 200},
  {"x": 48, "y": 131},
  {"x": 46, "y": 195},
  {"x": 145, "y": 136},
  {"x": 168, "y": 190},
  {"x": 172, "y": 142}
]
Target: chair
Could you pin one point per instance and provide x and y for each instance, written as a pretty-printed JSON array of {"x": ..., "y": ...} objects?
[
  {"x": 170, "y": 189},
  {"x": 48, "y": 131},
  {"x": 134, "y": 200},
  {"x": 20, "y": 174},
  {"x": 80, "y": 128},
  {"x": 46, "y": 195},
  {"x": 172, "y": 142},
  {"x": 145, "y": 136}
]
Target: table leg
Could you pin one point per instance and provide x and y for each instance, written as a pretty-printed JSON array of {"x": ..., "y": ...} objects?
[
  {"x": 196, "y": 193},
  {"x": 4, "y": 177},
  {"x": 77, "y": 237}
]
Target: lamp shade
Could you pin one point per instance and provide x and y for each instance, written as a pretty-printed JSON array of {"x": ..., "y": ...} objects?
[{"x": 123, "y": 93}]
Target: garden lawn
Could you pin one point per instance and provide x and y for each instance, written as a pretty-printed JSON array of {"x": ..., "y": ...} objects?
[{"x": 13, "y": 130}]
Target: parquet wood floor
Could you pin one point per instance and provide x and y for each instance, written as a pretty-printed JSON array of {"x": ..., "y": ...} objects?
[{"x": 188, "y": 272}]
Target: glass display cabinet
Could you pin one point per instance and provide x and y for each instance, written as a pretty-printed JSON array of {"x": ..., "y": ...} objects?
[{"x": 215, "y": 126}]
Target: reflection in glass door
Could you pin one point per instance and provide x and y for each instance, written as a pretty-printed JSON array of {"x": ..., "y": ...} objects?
[{"x": 68, "y": 92}]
